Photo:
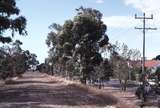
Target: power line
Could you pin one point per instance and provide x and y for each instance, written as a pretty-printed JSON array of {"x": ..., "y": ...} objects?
[
  {"x": 84, "y": 3},
  {"x": 144, "y": 28}
]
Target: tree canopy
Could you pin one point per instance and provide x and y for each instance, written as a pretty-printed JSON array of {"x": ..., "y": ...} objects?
[
  {"x": 8, "y": 21},
  {"x": 157, "y": 57},
  {"x": 79, "y": 39}
]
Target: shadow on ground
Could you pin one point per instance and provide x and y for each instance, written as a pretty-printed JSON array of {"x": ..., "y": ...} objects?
[{"x": 39, "y": 93}]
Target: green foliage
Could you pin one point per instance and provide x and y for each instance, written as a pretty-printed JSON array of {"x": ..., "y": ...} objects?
[
  {"x": 79, "y": 40},
  {"x": 14, "y": 61},
  {"x": 157, "y": 76},
  {"x": 158, "y": 70},
  {"x": 157, "y": 57},
  {"x": 8, "y": 9}
]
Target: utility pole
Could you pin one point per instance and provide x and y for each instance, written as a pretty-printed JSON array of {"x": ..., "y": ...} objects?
[{"x": 144, "y": 28}]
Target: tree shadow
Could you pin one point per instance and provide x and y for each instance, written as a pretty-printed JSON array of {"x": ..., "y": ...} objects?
[
  {"x": 28, "y": 81},
  {"x": 150, "y": 102},
  {"x": 119, "y": 86},
  {"x": 57, "y": 95}
]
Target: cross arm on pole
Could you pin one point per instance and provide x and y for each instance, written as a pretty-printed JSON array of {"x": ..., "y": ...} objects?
[
  {"x": 151, "y": 28},
  {"x": 138, "y": 28}
]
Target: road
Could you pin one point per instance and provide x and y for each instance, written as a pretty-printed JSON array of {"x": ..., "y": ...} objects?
[{"x": 129, "y": 97}]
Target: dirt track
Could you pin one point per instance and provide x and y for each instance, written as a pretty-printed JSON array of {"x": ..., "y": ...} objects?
[{"x": 36, "y": 90}]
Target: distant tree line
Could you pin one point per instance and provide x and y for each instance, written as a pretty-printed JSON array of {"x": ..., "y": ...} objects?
[
  {"x": 14, "y": 61},
  {"x": 126, "y": 63}
]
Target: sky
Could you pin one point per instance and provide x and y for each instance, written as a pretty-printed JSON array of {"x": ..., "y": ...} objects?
[{"x": 118, "y": 15}]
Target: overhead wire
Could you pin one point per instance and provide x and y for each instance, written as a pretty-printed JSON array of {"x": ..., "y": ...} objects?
[{"x": 84, "y": 3}]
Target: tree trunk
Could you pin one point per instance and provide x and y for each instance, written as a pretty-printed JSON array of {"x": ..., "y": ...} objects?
[
  {"x": 125, "y": 85},
  {"x": 121, "y": 84},
  {"x": 83, "y": 80}
]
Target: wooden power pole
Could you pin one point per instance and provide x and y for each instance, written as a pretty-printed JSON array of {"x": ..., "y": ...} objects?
[{"x": 144, "y": 28}]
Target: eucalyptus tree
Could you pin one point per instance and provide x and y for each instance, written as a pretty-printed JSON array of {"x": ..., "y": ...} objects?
[
  {"x": 125, "y": 63},
  {"x": 10, "y": 20},
  {"x": 79, "y": 39}
]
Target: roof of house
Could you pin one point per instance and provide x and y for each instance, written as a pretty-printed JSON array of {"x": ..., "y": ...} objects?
[{"x": 152, "y": 63}]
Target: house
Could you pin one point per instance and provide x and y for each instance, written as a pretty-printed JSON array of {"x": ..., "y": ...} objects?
[{"x": 152, "y": 65}]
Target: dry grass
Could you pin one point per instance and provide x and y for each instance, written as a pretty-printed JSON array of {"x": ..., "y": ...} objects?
[
  {"x": 103, "y": 97},
  {"x": 100, "y": 95},
  {"x": 44, "y": 91}
]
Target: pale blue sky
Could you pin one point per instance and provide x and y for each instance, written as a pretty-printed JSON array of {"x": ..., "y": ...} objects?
[{"x": 118, "y": 15}]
